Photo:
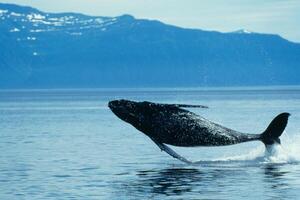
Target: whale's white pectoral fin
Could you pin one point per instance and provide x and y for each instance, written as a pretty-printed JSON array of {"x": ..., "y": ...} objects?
[{"x": 171, "y": 152}]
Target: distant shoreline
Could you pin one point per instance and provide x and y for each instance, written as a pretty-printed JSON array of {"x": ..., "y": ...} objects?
[{"x": 140, "y": 89}]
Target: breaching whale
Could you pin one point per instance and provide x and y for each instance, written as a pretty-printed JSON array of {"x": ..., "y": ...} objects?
[{"x": 172, "y": 124}]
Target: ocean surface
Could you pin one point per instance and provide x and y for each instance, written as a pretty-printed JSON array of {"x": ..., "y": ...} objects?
[{"x": 67, "y": 144}]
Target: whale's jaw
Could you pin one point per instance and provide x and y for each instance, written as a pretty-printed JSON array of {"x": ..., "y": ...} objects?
[{"x": 124, "y": 109}]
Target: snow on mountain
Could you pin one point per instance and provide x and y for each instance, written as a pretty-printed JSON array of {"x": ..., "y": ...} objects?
[
  {"x": 32, "y": 20},
  {"x": 243, "y": 31}
]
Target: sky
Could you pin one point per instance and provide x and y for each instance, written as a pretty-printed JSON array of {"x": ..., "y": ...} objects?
[{"x": 265, "y": 16}]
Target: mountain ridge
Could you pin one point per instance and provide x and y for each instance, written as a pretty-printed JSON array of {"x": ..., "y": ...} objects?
[
  {"x": 242, "y": 31},
  {"x": 49, "y": 50}
]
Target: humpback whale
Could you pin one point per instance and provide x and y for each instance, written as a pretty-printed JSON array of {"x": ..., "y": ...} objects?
[{"x": 172, "y": 124}]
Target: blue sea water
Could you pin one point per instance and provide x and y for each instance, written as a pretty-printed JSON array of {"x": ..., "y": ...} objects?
[{"x": 67, "y": 144}]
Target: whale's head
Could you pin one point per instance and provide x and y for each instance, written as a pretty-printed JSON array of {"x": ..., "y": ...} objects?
[{"x": 135, "y": 113}]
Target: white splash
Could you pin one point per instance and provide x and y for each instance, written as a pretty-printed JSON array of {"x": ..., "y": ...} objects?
[
  {"x": 287, "y": 152},
  {"x": 254, "y": 155},
  {"x": 277, "y": 154}
]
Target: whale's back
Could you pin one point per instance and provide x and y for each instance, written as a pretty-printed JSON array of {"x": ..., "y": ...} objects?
[{"x": 179, "y": 127}]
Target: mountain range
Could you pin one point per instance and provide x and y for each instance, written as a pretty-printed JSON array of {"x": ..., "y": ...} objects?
[{"x": 71, "y": 50}]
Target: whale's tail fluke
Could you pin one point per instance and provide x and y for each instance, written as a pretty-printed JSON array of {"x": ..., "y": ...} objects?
[{"x": 275, "y": 129}]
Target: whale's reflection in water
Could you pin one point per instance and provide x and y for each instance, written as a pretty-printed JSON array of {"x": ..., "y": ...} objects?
[
  {"x": 181, "y": 181},
  {"x": 170, "y": 181},
  {"x": 274, "y": 171},
  {"x": 278, "y": 181},
  {"x": 210, "y": 181}
]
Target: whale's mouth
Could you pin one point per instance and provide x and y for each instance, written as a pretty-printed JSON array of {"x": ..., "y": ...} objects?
[{"x": 124, "y": 109}]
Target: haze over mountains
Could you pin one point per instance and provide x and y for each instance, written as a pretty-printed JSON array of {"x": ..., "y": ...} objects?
[{"x": 47, "y": 50}]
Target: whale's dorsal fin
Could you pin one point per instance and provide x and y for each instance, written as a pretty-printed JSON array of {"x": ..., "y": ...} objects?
[{"x": 171, "y": 152}]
